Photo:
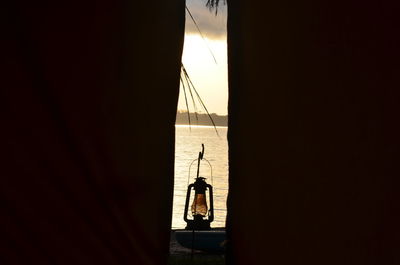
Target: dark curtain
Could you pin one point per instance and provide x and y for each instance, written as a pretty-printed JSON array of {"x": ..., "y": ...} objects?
[
  {"x": 88, "y": 99},
  {"x": 314, "y": 132}
]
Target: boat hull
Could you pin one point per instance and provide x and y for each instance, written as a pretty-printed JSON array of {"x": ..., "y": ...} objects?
[{"x": 206, "y": 240}]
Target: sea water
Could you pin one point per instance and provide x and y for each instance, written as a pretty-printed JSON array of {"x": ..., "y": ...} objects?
[{"x": 187, "y": 148}]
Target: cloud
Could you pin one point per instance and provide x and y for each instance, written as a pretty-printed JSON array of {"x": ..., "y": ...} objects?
[{"x": 212, "y": 26}]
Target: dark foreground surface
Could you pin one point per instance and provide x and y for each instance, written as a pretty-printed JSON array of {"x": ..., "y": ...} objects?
[
  {"x": 197, "y": 260},
  {"x": 183, "y": 256}
]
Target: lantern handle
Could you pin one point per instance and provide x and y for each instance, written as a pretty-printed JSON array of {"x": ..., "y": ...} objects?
[
  {"x": 211, "y": 170},
  {"x": 201, "y": 154}
]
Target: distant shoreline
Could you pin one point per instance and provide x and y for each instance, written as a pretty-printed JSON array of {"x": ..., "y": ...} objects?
[{"x": 201, "y": 120}]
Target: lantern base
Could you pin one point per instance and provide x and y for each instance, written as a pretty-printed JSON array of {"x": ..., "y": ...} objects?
[{"x": 198, "y": 224}]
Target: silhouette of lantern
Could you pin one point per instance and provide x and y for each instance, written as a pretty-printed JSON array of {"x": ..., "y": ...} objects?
[{"x": 202, "y": 216}]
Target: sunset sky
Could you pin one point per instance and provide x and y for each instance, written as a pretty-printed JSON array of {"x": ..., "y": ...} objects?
[{"x": 209, "y": 78}]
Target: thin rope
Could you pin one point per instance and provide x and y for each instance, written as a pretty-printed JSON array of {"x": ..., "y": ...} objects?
[
  {"x": 199, "y": 98},
  {"x": 191, "y": 95}
]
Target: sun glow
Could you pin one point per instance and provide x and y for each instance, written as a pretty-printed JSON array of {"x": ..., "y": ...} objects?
[{"x": 209, "y": 77}]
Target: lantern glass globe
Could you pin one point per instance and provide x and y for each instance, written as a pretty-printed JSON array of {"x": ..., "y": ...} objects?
[{"x": 199, "y": 205}]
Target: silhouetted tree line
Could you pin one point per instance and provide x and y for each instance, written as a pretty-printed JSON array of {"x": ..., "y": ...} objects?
[{"x": 202, "y": 119}]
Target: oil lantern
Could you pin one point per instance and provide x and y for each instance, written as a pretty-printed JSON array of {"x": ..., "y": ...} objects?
[{"x": 202, "y": 216}]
